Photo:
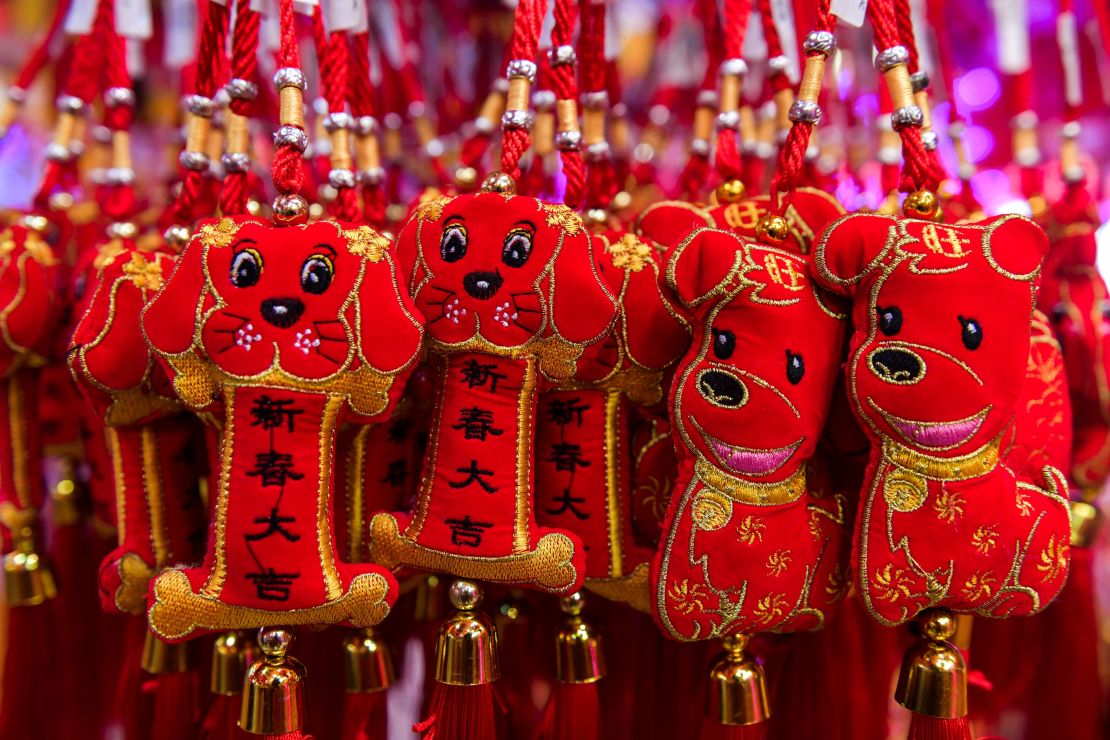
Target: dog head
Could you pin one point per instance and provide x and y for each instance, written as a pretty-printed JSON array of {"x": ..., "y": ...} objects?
[{"x": 29, "y": 290}]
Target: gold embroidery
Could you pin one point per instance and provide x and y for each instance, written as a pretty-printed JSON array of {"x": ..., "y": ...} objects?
[
  {"x": 107, "y": 252},
  {"x": 751, "y": 530},
  {"x": 155, "y": 501},
  {"x": 134, "y": 582},
  {"x": 892, "y": 583},
  {"x": 365, "y": 242},
  {"x": 985, "y": 538},
  {"x": 686, "y": 597},
  {"x": 904, "y": 491},
  {"x": 145, "y": 275},
  {"x": 840, "y": 579},
  {"x": 629, "y": 253},
  {"x": 746, "y": 492},
  {"x": 978, "y": 586},
  {"x": 711, "y": 510},
  {"x": 949, "y": 505},
  {"x": 1054, "y": 560},
  {"x": 562, "y": 217},
  {"x": 1024, "y": 505},
  {"x": 770, "y": 608},
  {"x": 964, "y": 467},
  {"x": 778, "y": 562},
  {"x": 613, "y": 455},
  {"x": 333, "y": 588},
  {"x": 219, "y": 234}
]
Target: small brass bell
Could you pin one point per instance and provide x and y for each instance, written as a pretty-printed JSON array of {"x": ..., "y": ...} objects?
[
  {"x": 933, "y": 679},
  {"x": 1085, "y": 521},
  {"x": 160, "y": 658},
  {"x": 28, "y": 580},
  {"x": 578, "y": 655},
  {"x": 369, "y": 662},
  {"x": 737, "y": 687},
  {"x": 231, "y": 654},
  {"x": 273, "y": 690},
  {"x": 466, "y": 649}
]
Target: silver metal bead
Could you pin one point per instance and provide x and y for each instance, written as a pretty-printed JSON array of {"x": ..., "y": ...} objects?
[
  {"x": 340, "y": 179},
  {"x": 221, "y": 98},
  {"x": 734, "y": 67},
  {"x": 706, "y": 99},
  {"x": 194, "y": 161},
  {"x": 240, "y": 89},
  {"x": 1070, "y": 130},
  {"x": 292, "y": 136},
  {"x": 371, "y": 176},
  {"x": 543, "y": 100},
  {"x": 483, "y": 126},
  {"x": 920, "y": 81},
  {"x": 339, "y": 120},
  {"x": 290, "y": 207},
  {"x": 236, "y": 161},
  {"x": 17, "y": 94},
  {"x": 819, "y": 42},
  {"x": 562, "y": 55},
  {"x": 659, "y": 115},
  {"x": 101, "y": 134},
  {"x": 597, "y": 152},
  {"x": 568, "y": 141},
  {"x": 69, "y": 104},
  {"x": 889, "y": 155},
  {"x": 119, "y": 176},
  {"x": 290, "y": 77},
  {"x": 929, "y": 140},
  {"x": 199, "y": 105},
  {"x": 434, "y": 148},
  {"x": 887, "y": 59},
  {"x": 366, "y": 126},
  {"x": 176, "y": 236},
  {"x": 778, "y": 64},
  {"x": 501, "y": 85},
  {"x": 58, "y": 153},
  {"x": 805, "y": 111},
  {"x": 619, "y": 110},
  {"x": 76, "y": 147},
  {"x": 117, "y": 96},
  {"x": 906, "y": 116},
  {"x": 525, "y": 68},
  {"x": 956, "y": 129},
  {"x": 700, "y": 147},
  {"x": 516, "y": 119},
  {"x": 122, "y": 230},
  {"x": 1074, "y": 174},
  {"x": 1029, "y": 157},
  {"x": 597, "y": 100},
  {"x": 729, "y": 119},
  {"x": 1024, "y": 120}
]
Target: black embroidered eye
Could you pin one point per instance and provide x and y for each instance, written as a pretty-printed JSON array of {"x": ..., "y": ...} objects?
[
  {"x": 890, "y": 320},
  {"x": 452, "y": 246},
  {"x": 724, "y": 343},
  {"x": 246, "y": 268},
  {"x": 1059, "y": 313},
  {"x": 1104, "y": 309},
  {"x": 795, "y": 367},
  {"x": 316, "y": 274},
  {"x": 518, "y": 247},
  {"x": 972, "y": 333}
]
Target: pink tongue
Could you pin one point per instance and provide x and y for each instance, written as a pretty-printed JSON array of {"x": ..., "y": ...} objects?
[
  {"x": 750, "y": 462},
  {"x": 939, "y": 435}
]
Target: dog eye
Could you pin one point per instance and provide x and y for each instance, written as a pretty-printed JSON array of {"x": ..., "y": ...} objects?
[
  {"x": 316, "y": 274},
  {"x": 246, "y": 268},
  {"x": 890, "y": 320},
  {"x": 452, "y": 246},
  {"x": 1104, "y": 309},
  {"x": 724, "y": 343},
  {"x": 795, "y": 367},
  {"x": 517, "y": 249},
  {"x": 1059, "y": 313},
  {"x": 972, "y": 333}
]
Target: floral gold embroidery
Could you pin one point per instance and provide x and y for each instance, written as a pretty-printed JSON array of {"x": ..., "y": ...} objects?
[
  {"x": 431, "y": 209},
  {"x": 978, "y": 586},
  {"x": 770, "y": 607},
  {"x": 108, "y": 251},
  {"x": 904, "y": 490},
  {"x": 985, "y": 538},
  {"x": 145, "y": 275},
  {"x": 893, "y": 583},
  {"x": 1024, "y": 505},
  {"x": 1054, "y": 560},
  {"x": 949, "y": 506},
  {"x": 711, "y": 510},
  {"x": 839, "y": 580},
  {"x": 751, "y": 530},
  {"x": 778, "y": 562},
  {"x": 562, "y": 217},
  {"x": 219, "y": 234},
  {"x": 686, "y": 597},
  {"x": 630, "y": 253},
  {"x": 655, "y": 495},
  {"x": 365, "y": 242}
]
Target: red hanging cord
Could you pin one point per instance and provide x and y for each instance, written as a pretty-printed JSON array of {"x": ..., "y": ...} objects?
[
  {"x": 291, "y": 140},
  {"x": 334, "y": 63},
  {"x": 568, "y": 139},
  {"x": 119, "y": 107},
  {"x": 601, "y": 179},
  {"x": 736, "y": 16},
  {"x": 696, "y": 171},
  {"x": 515, "y": 136},
  {"x": 776, "y": 59},
  {"x": 40, "y": 56},
  {"x": 361, "y": 96},
  {"x": 242, "y": 90}
]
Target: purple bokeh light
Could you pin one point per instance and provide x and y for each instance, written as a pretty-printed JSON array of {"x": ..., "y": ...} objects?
[{"x": 979, "y": 88}]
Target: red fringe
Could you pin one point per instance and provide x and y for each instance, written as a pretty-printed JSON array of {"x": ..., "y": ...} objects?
[
  {"x": 175, "y": 706},
  {"x": 365, "y": 716},
  {"x": 711, "y": 730},
  {"x": 29, "y": 709},
  {"x": 572, "y": 713},
  {"x": 294, "y": 735},
  {"x": 933, "y": 728},
  {"x": 221, "y": 721},
  {"x": 460, "y": 713},
  {"x": 129, "y": 701}
]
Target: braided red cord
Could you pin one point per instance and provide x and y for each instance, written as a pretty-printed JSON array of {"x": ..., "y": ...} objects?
[
  {"x": 696, "y": 170},
  {"x": 735, "y": 28},
  {"x": 778, "y": 80},
  {"x": 334, "y": 78},
  {"x": 361, "y": 97},
  {"x": 526, "y": 35},
  {"x": 244, "y": 66},
  {"x": 565, "y": 87},
  {"x": 118, "y": 203},
  {"x": 41, "y": 55},
  {"x": 601, "y": 176},
  {"x": 904, "y": 21},
  {"x": 287, "y": 170}
]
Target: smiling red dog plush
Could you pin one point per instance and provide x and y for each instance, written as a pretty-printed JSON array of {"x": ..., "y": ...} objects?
[
  {"x": 936, "y": 367},
  {"x": 512, "y": 296},
  {"x": 288, "y": 332},
  {"x": 747, "y": 545}
]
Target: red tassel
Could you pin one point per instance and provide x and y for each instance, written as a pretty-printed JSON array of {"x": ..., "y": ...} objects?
[
  {"x": 934, "y": 728},
  {"x": 221, "y": 721},
  {"x": 460, "y": 713},
  {"x": 712, "y": 730},
  {"x": 175, "y": 702},
  {"x": 572, "y": 713},
  {"x": 129, "y": 702},
  {"x": 365, "y": 716},
  {"x": 28, "y": 666},
  {"x": 294, "y": 735}
]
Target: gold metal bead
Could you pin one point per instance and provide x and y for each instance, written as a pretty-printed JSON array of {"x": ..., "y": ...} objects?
[
  {"x": 923, "y": 204},
  {"x": 499, "y": 182},
  {"x": 369, "y": 662},
  {"x": 596, "y": 217},
  {"x": 731, "y": 191},
  {"x": 290, "y": 209},
  {"x": 466, "y": 650},
  {"x": 933, "y": 678},
  {"x": 578, "y": 654},
  {"x": 65, "y": 498},
  {"x": 465, "y": 177},
  {"x": 273, "y": 690},
  {"x": 231, "y": 654},
  {"x": 737, "y": 687},
  {"x": 1085, "y": 522},
  {"x": 772, "y": 230}
]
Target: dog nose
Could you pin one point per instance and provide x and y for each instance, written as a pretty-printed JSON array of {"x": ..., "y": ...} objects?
[
  {"x": 282, "y": 312},
  {"x": 482, "y": 285},
  {"x": 722, "y": 389},
  {"x": 899, "y": 366}
]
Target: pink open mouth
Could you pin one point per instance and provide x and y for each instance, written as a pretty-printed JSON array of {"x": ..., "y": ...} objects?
[
  {"x": 936, "y": 434},
  {"x": 746, "y": 460}
]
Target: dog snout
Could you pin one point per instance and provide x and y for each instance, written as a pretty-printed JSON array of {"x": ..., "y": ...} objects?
[
  {"x": 897, "y": 365},
  {"x": 282, "y": 312},
  {"x": 722, "y": 389},
  {"x": 482, "y": 285}
]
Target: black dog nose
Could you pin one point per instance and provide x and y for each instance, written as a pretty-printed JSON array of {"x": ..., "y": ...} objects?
[
  {"x": 722, "y": 389},
  {"x": 899, "y": 366},
  {"x": 282, "y": 312},
  {"x": 482, "y": 285}
]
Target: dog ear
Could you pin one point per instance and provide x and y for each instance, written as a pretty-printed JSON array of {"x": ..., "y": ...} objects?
[
  {"x": 391, "y": 329},
  {"x": 701, "y": 263},
  {"x": 666, "y": 223},
  {"x": 850, "y": 248},
  {"x": 582, "y": 307},
  {"x": 1014, "y": 246},
  {"x": 170, "y": 318}
]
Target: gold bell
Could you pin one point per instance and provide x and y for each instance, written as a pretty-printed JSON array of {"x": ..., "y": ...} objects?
[
  {"x": 737, "y": 687},
  {"x": 273, "y": 690},
  {"x": 28, "y": 580},
  {"x": 578, "y": 656},
  {"x": 1085, "y": 521},
  {"x": 922, "y": 204},
  {"x": 369, "y": 662},
  {"x": 160, "y": 658},
  {"x": 231, "y": 654},
  {"x": 933, "y": 679},
  {"x": 499, "y": 182},
  {"x": 730, "y": 191},
  {"x": 772, "y": 230},
  {"x": 65, "y": 509},
  {"x": 466, "y": 650}
]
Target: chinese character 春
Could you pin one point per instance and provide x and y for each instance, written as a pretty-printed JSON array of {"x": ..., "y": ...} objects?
[
  {"x": 567, "y": 457},
  {"x": 477, "y": 375},
  {"x": 465, "y": 532},
  {"x": 399, "y": 429},
  {"x": 275, "y": 468},
  {"x": 272, "y": 413},
  {"x": 476, "y": 423},
  {"x": 396, "y": 473},
  {"x": 474, "y": 474}
]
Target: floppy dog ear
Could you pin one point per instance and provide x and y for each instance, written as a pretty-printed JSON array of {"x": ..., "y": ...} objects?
[
  {"x": 666, "y": 223},
  {"x": 582, "y": 307},
  {"x": 170, "y": 319},
  {"x": 1014, "y": 246},
  {"x": 701, "y": 263},
  {"x": 850, "y": 248},
  {"x": 391, "y": 329}
]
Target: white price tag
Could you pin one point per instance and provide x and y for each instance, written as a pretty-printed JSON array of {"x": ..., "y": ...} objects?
[
  {"x": 782, "y": 13},
  {"x": 180, "y": 22},
  {"x": 305, "y": 7},
  {"x": 1067, "y": 36},
  {"x": 388, "y": 33},
  {"x": 851, "y": 12},
  {"x": 1011, "y": 23},
  {"x": 345, "y": 15},
  {"x": 133, "y": 18},
  {"x": 79, "y": 19},
  {"x": 755, "y": 43}
]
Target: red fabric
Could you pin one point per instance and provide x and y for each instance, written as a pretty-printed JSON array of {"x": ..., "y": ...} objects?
[
  {"x": 288, "y": 332},
  {"x": 653, "y": 475},
  {"x": 511, "y": 293},
  {"x": 1043, "y": 424},
  {"x": 749, "y": 546},
  {"x": 935, "y": 370}
]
